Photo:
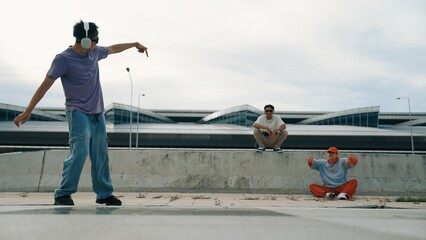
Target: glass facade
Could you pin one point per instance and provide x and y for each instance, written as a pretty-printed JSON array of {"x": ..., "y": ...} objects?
[
  {"x": 244, "y": 115},
  {"x": 242, "y": 118},
  {"x": 9, "y": 115},
  {"x": 360, "y": 120},
  {"x": 120, "y": 116}
]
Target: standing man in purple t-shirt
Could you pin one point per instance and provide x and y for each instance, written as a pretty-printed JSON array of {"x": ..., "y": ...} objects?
[{"x": 78, "y": 69}]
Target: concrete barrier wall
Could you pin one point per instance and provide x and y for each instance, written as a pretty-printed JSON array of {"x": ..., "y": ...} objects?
[{"x": 242, "y": 171}]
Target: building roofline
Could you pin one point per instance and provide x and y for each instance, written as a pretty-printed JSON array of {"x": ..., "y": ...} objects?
[
  {"x": 341, "y": 113},
  {"x": 136, "y": 110},
  {"x": 239, "y": 108},
  {"x": 34, "y": 112}
]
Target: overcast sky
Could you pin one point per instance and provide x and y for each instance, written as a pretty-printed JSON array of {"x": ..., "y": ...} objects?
[{"x": 299, "y": 55}]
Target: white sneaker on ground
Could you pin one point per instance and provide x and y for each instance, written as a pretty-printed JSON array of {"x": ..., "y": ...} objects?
[{"x": 342, "y": 196}]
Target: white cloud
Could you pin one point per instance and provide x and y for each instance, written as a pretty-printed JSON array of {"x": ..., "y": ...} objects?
[{"x": 297, "y": 55}]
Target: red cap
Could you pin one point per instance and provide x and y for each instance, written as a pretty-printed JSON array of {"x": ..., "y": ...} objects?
[{"x": 333, "y": 149}]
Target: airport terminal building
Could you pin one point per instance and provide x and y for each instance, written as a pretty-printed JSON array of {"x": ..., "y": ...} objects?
[{"x": 363, "y": 128}]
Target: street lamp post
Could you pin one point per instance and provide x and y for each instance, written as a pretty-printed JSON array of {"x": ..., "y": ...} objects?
[
  {"x": 131, "y": 108},
  {"x": 411, "y": 123},
  {"x": 137, "y": 126}
]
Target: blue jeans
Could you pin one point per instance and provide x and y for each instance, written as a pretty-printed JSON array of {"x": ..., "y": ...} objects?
[{"x": 87, "y": 136}]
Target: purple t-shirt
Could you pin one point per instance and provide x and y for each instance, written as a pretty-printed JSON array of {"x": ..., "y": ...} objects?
[{"x": 80, "y": 79}]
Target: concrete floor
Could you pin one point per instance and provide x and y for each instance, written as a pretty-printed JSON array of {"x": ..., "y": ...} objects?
[{"x": 210, "y": 216}]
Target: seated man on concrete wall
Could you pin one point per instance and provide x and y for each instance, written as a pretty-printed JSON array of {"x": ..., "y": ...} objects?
[
  {"x": 269, "y": 130},
  {"x": 333, "y": 172}
]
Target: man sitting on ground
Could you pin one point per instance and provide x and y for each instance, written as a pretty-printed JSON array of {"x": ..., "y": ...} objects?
[{"x": 333, "y": 173}]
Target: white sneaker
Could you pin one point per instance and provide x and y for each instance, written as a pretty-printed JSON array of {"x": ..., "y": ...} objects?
[
  {"x": 278, "y": 150},
  {"x": 260, "y": 149},
  {"x": 342, "y": 196}
]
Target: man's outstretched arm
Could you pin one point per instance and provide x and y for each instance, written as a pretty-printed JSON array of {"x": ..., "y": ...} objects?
[{"x": 117, "y": 48}]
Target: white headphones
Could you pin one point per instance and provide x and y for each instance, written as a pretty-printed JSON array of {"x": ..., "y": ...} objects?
[{"x": 86, "y": 42}]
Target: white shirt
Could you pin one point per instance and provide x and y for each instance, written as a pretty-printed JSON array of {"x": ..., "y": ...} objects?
[{"x": 274, "y": 123}]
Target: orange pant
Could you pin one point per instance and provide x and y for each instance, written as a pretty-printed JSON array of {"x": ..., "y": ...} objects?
[{"x": 349, "y": 188}]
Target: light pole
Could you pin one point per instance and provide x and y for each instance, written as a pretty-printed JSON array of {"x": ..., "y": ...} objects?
[
  {"x": 137, "y": 126},
  {"x": 131, "y": 108},
  {"x": 411, "y": 123}
]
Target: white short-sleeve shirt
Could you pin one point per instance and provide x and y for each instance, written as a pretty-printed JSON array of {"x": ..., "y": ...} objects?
[{"x": 274, "y": 123}]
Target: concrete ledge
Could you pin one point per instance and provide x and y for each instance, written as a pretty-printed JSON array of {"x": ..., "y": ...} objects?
[
  {"x": 233, "y": 171},
  {"x": 21, "y": 172}
]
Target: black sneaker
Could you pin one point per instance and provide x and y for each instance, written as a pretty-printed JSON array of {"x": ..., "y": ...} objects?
[
  {"x": 111, "y": 200},
  {"x": 330, "y": 195},
  {"x": 64, "y": 200}
]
